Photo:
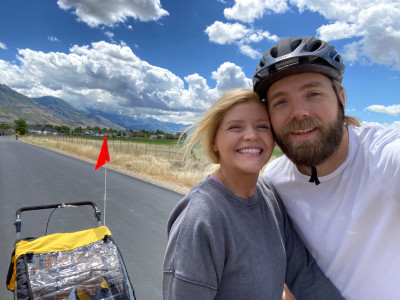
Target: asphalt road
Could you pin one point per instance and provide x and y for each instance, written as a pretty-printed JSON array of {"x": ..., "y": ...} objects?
[{"x": 136, "y": 211}]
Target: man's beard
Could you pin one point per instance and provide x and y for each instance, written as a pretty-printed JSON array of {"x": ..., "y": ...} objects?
[{"x": 317, "y": 150}]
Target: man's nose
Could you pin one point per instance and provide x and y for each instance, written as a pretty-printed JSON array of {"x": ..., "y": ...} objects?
[{"x": 300, "y": 109}]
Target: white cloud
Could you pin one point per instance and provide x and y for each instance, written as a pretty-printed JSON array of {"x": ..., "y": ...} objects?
[
  {"x": 393, "y": 110},
  {"x": 339, "y": 30},
  {"x": 249, "y": 10},
  {"x": 110, "y": 13},
  {"x": 249, "y": 51},
  {"x": 394, "y": 124},
  {"x": 351, "y": 52},
  {"x": 226, "y": 33},
  {"x": 375, "y": 24},
  {"x": 230, "y": 76},
  {"x": 109, "y": 77},
  {"x": 53, "y": 39},
  {"x": 110, "y": 36},
  {"x": 3, "y": 46}
]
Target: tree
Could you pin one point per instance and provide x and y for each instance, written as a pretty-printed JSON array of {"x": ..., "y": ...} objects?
[
  {"x": 20, "y": 126},
  {"x": 4, "y": 126},
  {"x": 78, "y": 130}
]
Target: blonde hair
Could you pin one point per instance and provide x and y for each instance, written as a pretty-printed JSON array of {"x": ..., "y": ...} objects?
[
  {"x": 338, "y": 88},
  {"x": 203, "y": 132}
]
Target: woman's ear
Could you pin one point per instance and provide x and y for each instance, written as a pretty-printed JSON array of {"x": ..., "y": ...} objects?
[{"x": 214, "y": 146}]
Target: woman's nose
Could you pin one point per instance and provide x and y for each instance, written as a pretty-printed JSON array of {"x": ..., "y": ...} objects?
[{"x": 250, "y": 134}]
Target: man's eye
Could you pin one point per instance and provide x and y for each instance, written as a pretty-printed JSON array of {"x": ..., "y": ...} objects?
[
  {"x": 314, "y": 94},
  {"x": 278, "y": 102}
]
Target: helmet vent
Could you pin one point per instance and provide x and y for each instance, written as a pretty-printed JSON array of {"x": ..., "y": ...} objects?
[
  {"x": 338, "y": 58},
  {"x": 295, "y": 44},
  {"x": 315, "y": 46},
  {"x": 274, "y": 52}
]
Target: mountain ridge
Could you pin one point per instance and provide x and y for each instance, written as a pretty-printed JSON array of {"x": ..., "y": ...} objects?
[{"x": 56, "y": 111}]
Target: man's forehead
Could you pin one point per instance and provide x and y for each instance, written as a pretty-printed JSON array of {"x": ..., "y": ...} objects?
[{"x": 297, "y": 82}]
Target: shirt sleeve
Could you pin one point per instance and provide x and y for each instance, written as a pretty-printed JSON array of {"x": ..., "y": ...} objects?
[{"x": 194, "y": 258}]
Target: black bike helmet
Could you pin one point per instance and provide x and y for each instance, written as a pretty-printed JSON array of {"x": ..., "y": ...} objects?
[{"x": 297, "y": 55}]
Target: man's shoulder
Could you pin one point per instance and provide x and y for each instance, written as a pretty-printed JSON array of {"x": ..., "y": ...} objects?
[
  {"x": 278, "y": 165},
  {"x": 375, "y": 131},
  {"x": 375, "y": 138}
]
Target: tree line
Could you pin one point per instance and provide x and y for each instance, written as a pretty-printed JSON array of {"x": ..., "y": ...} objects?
[{"x": 22, "y": 128}]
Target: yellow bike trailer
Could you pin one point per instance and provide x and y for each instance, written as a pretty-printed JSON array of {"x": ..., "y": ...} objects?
[{"x": 79, "y": 265}]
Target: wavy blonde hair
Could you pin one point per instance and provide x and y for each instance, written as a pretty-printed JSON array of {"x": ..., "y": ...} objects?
[{"x": 203, "y": 132}]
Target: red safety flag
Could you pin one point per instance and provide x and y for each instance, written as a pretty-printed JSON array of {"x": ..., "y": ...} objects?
[{"x": 104, "y": 156}]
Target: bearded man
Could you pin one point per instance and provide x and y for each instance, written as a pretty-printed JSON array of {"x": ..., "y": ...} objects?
[{"x": 339, "y": 181}]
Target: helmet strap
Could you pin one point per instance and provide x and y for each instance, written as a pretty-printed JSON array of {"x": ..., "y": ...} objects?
[{"x": 314, "y": 176}]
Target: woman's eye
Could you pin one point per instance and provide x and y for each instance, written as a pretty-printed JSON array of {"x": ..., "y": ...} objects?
[
  {"x": 234, "y": 127},
  {"x": 263, "y": 126}
]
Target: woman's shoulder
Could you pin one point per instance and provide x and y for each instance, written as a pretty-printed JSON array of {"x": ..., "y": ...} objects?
[
  {"x": 269, "y": 194},
  {"x": 200, "y": 200},
  {"x": 199, "y": 210}
]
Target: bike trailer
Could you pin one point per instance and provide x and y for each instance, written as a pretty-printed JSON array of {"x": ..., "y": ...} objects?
[{"x": 79, "y": 265}]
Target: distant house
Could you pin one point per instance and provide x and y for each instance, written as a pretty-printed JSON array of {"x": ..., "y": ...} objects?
[
  {"x": 157, "y": 136},
  {"x": 42, "y": 130}
]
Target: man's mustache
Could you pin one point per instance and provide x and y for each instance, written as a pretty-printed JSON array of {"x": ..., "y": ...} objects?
[{"x": 305, "y": 124}]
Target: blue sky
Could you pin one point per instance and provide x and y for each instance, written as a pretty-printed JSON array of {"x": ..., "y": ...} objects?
[{"x": 170, "y": 59}]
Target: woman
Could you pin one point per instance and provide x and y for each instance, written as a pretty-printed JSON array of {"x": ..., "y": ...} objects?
[{"x": 230, "y": 237}]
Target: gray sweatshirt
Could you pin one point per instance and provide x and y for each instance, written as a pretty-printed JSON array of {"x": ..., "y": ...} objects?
[{"x": 225, "y": 247}]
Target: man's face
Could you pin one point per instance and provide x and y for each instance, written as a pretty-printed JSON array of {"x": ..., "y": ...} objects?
[{"x": 305, "y": 117}]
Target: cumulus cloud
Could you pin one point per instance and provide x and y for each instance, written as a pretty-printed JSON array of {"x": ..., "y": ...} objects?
[
  {"x": 230, "y": 76},
  {"x": 111, "y": 78},
  {"x": 239, "y": 34},
  {"x": 396, "y": 124},
  {"x": 249, "y": 10},
  {"x": 110, "y": 13},
  {"x": 3, "y": 46},
  {"x": 226, "y": 33},
  {"x": 375, "y": 24},
  {"x": 393, "y": 110}
]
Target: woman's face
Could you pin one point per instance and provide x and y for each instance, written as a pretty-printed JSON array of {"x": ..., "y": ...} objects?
[{"x": 244, "y": 140}]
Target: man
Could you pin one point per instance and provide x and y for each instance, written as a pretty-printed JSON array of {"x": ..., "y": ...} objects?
[{"x": 339, "y": 181}]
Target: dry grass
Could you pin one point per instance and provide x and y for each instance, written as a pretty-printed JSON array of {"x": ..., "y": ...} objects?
[
  {"x": 159, "y": 168},
  {"x": 159, "y": 165}
]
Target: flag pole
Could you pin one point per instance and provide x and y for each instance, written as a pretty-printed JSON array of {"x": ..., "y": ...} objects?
[
  {"x": 105, "y": 193},
  {"x": 104, "y": 157}
]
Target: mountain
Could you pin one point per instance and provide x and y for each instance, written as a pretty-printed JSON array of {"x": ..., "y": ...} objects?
[
  {"x": 64, "y": 109},
  {"x": 148, "y": 124},
  {"x": 46, "y": 110},
  {"x": 55, "y": 111}
]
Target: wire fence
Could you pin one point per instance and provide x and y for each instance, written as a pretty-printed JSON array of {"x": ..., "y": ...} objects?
[{"x": 119, "y": 146}]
